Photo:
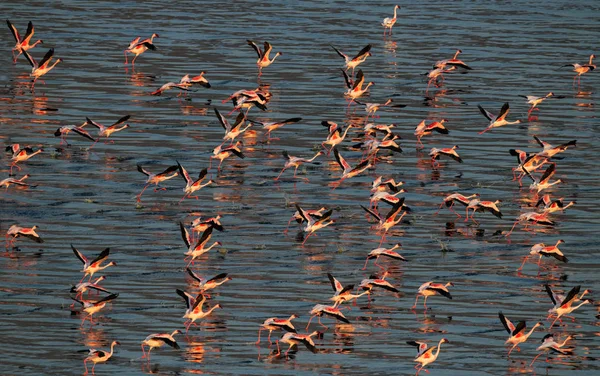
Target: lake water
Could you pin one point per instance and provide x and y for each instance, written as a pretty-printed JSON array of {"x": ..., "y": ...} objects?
[{"x": 87, "y": 197}]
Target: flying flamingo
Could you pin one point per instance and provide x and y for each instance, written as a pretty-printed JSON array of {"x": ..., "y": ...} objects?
[
  {"x": 20, "y": 182},
  {"x": 92, "y": 266},
  {"x": 293, "y": 339},
  {"x": 549, "y": 150},
  {"x": 534, "y": 101},
  {"x": 63, "y": 131},
  {"x": 200, "y": 225},
  {"x": 390, "y": 220},
  {"x": 372, "y": 108},
  {"x": 549, "y": 344},
  {"x": 296, "y": 162},
  {"x": 388, "y": 22},
  {"x": 349, "y": 171},
  {"x": 21, "y": 155},
  {"x": 430, "y": 288},
  {"x": 335, "y": 136},
  {"x": 544, "y": 181},
  {"x": 138, "y": 47},
  {"x": 356, "y": 90},
  {"x": 517, "y": 334},
  {"x": 373, "y": 281},
  {"x": 388, "y": 252},
  {"x": 454, "y": 62},
  {"x": 423, "y": 130},
  {"x": 382, "y": 185},
  {"x": 581, "y": 69},
  {"x": 313, "y": 224},
  {"x": 273, "y": 125},
  {"x": 22, "y": 44},
  {"x": 426, "y": 356},
  {"x": 158, "y": 340},
  {"x": 550, "y": 206},
  {"x": 263, "y": 55},
  {"x": 15, "y": 231},
  {"x": 499, "y": 120},
  {"x": 192, "y": 185},
  {"x": 167, "y": 174},
  {"x": 436, "y": 153},
  {"x": 106, "y": 131},
  {"x": 273, "y": 323},
  {"x": 91, "y": 307},
  {"x": 208, "y": 284},
  {"x": 82, "y": 287},
  {"x": 320, "y": 309},
  {"x": 563, "y": 305},
  {"x": 534, "y": 218},
  {"x": 317, "y": 213},
  {"x": 221, "y": 153},
  {"x": 360, "y": 57},
  {"x": 340, "y": 291},
  {"x": 453, "y": 198},
  {"x": 194, "y": 308},
  {"x": 38, "y": 70},
  {"x": 232, "y": 131},
  {"x": 549, "y": 251},
  {"x": 199, "y": 248},
  {"x": 98, "y": 356}
]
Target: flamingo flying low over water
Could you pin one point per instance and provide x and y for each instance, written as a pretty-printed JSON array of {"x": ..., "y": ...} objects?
[
  {"x": 221, "y": 153},
  {"x": 138, "y": 47},
  {"x": 314, "y": 223},
  {"x": 22, "y": 44},
  {"x": 388, "y": 252},
  {"x": 423, "y": 130},
  {"x": 296, "y": 162},
  {"x": 273, "y": 323},
  {"x": 549, "y": 344},
  {"x": 351, "y": 63},
  {"x": 63, "y": 131},
  {"x": 15, "y": 231},
  {"x": 20, "y": 154},
  {"x": 194, "y": 308},
  {"x": 106, "y": 131},
  {"x": 430, "y": 288},
  {"x": 192, "y": 185},
  {"x": 454, "y": 62},
  {"x": 92, "y": 307},
  {"x": 198, "y": 248},
  {"x": 158, "y": 340},
  {"x": 392, "y": 218},
  {"x": 41, "y": 68},
  {"x": 453, "y": 198},
  {"x": 426, "y": 356},
  {"x": 563, "y": 305},
  {"x": 581, "y": 69},
  {"x": 98, "y": 356},
  {"x": 534, "y": 101},
  {"x": 10, "y": 180},
  {"x": 388, "y": 22},
  {"x": 517, "y": 334},
  {"x": 549, "y": 205},
  {"x": 184, "y": 84},
  {"x": 320, "y": 309},
  {"x": 293, "y": 339},
  {"x": 211, "y": 283},
  {"x": 356, "y": 90},
  {"x": 549, "y": 251},
  {"x": 263, "y": 55},
  {"x": 436, "y": 153},
  {"x": 92, "y": 266},
  {"x": 497, "y": 120},
  {"x": 550, "y": 150},
  {"x": 167, "y": 174},
  {"x": 273, "y": 125}
]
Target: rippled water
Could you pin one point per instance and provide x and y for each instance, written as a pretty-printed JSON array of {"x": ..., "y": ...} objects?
[{"x": 86, "y": 197}]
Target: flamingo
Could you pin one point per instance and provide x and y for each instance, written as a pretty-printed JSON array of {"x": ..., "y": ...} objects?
[
  {"x": 93, "y": 266},
  {"x": 534, "y": 101},
  {"x": 293, "y": 339},
  {"x": 21, "y": 155},
  {"x": 296, "y": 162},
  {"x": 340, "y": 291},
  {"x": 194, "y": 308},
  {"x": 454, "y": 62},
  {"x": 38, "y": 70},
  {"x": 499, "y": 120},
  {"x": 435, "y": 74},
  {"x": 92, "y": 307},
  {"x": 221, "y": 153},
  {"x": 167, "y": 174},
  {"x": 273, "y": 323},
  {"x": 425, "y": 130},
  {"x": 98, "y": 356},
  {"x": 263, "y": 55},
  {"x": 517, "y": 334},
  {"x": 371, "y": 129},
  {"x": 271, "y": 126},
  {"x": 535, "y": 218},
  {"x": 138, "y": 47},
  {"x": 388, "y": 252},
  {"x": 436, "y": 153},
  {"x": 17, "y": 231},
  {"x": 453, "y": 198},
  {"x": 82, "y": 287},
  {"x": 232, "y": 131},
  {"x": 563, "y": 305},
  {"x": 335, "y": 137},
  {"x": 317, "y": 213},
  {"x": 388, "y": 22},
  {"x": 313, "y": 224},
  {"x": 373, "y": 281},
  {"x": 549, "y": 344},
  {"x": 551, "y": 206},
  {"x": 22, "y": 44},
  {"x": 200, "y": 225},
  {"x": 426, "y": 356},
  {"x": 581, "y": 69},
  {"x": 390, "y": 220},
  {"x": 386, "y": 197},
  {"x": 21, "y": 181},
  {"x": 192, "y": 185},
  {"x": 381, "y": 185},
  {"x": 360, "y": 57},
  {"x": 549, "y": 150},
  {"x": 491, "y": 206},
  {"x": 106, "y": 131},
  {"x": 196, "y": 250},
  {"x": 549, "y": 251},
  {"x": 63, "y": 131},
  {"x": 431, "y": 288},
  {"x": 158, "y": 340},
  {"x": 320, "y": 309},
  {"x": 209, "y": 284},
  {"x": 247, "y": 99},
  {"x": 372, "y": 108},
  {"x": 356, "y": 90},
  {"x": 544, "y": 181},
  {"x": 526, "y": 162},
  {"x": 349, "y": 171}
]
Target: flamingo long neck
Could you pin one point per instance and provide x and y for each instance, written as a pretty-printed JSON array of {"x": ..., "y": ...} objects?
[
  {"x": 53, "y": 65},
  {"x": 39, "y": 41},
  {"x": 569, "y": 204},
  {"x": 152, "y": 38},
  {"x": 437, "y": 350},
  {"x": 279, "y": 53},
  {"x": 531, "y": 331},
  {"x": 121, "y": 128},
  {"x": 456, "y": 54},
  {"x": 313, "y": 158},
  {"x": 580, "y": 304},
  {"x": 212, "y": 309},
  {"x": 174, "y": 332},
  {"x": 104, "y": 267},
  {"x": 564, "y": 342},
  {"x": 211, "y": 247},
  {"x": 368, "y": 85},
  {"x": 396, "y": 9},
  {"x": 591, "y": 58},
  {"x": 112, "y": 348}
]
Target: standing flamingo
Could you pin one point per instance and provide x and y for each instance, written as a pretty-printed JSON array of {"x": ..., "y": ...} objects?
[
  {"x": 98, "y": 356},
  {"x": 388, "y": 22},
  {"x": 138, "y": 47}
]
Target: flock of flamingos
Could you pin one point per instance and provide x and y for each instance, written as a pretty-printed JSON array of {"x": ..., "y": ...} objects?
[{"x": 379, "y": 143}]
